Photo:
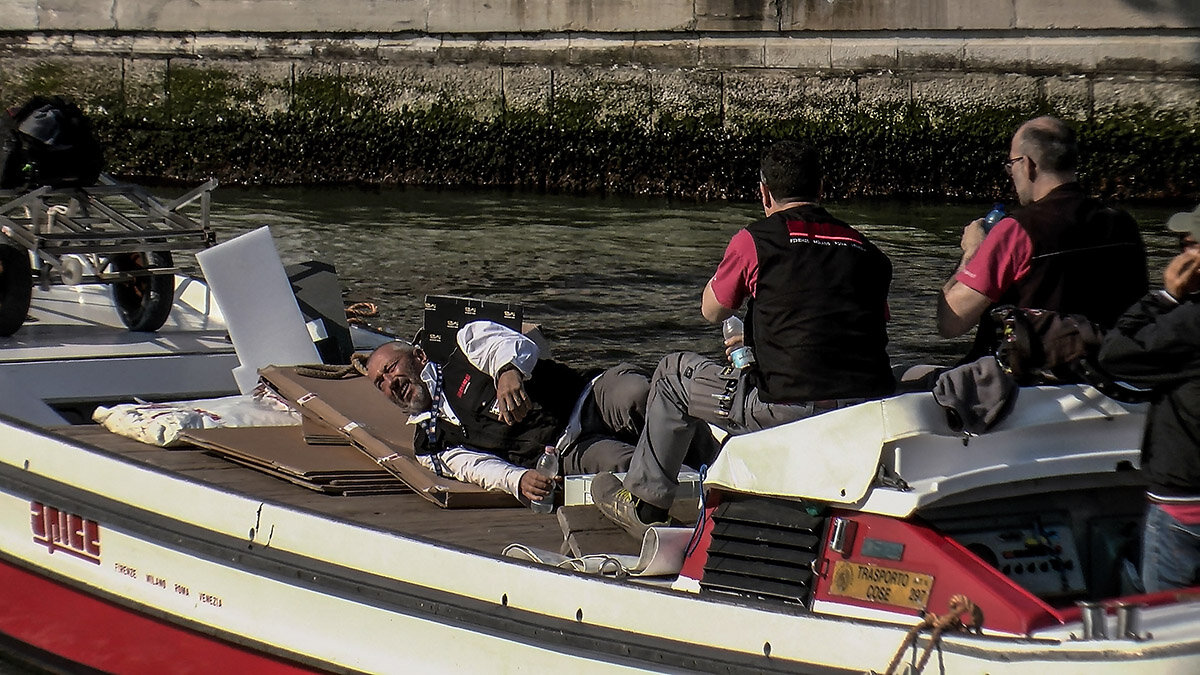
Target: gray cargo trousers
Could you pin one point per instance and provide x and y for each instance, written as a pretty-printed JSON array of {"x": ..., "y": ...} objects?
[
  {"x": 611, "y": 420},
  {"x": 686, "y": 393}
]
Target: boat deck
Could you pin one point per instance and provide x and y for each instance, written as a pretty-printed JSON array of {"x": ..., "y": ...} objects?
[{"x": 484, "y": 530}]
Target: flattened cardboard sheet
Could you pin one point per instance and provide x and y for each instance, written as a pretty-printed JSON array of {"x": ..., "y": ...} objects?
[
  {"x": 396, "y": 487},
  {"x": 356, "y": 410},
  {"x": 282, "y": 452},
  {"x": 317, "y": 432}
]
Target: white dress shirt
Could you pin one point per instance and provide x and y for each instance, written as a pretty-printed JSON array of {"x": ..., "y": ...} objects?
[{"x": 489, "y": 347}]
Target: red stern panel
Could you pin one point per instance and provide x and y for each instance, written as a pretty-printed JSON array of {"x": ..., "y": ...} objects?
[{"x": 912, "y": 568}]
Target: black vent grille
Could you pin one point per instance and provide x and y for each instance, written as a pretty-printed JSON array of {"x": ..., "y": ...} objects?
[{"x": 763, "y": 548}]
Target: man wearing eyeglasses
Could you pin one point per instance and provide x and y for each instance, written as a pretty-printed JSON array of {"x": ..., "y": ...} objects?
[{"x": 1061, "y": 250}]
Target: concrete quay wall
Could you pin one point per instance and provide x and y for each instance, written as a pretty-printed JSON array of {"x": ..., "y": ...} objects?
[
  {"x": 539, "y": 16},
  {"x": 912, "y": 97}
]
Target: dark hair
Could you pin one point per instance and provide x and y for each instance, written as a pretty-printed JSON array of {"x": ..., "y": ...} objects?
[
  {"x": 792, "y": 171},
  {"x": 1052, "y": 144}
]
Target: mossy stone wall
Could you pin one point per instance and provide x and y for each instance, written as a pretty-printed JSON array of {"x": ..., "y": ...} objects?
[{"x": 684, "y": 115}]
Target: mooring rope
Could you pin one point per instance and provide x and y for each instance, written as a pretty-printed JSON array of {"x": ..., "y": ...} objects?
[
  {"x": 951, "y": 620},
  {"x": 324, "y": 371},
  {"x": 359, "y": 312},
  {"x": 356, "y": 313}
]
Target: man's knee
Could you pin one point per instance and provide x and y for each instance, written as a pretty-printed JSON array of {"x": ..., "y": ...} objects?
[
  {"x": 676, "y": 367},
  {"x": 623, "y": 387}
]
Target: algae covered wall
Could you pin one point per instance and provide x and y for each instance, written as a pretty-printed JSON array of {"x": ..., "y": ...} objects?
[{"x": 911, "y": 97}]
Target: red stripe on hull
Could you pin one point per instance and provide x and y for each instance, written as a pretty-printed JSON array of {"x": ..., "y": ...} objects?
[{"x": 86, "y": 630}]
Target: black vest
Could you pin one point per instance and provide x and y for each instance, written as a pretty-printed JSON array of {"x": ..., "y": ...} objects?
[
  {"x": 819, "y": 313},
  {"x": 1087, "y": 259},
  {"x": 553, "y": 388}
]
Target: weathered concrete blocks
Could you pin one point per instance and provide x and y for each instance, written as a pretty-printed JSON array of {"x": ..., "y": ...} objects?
[
  {"x": 1063, "y": 55},
  {"x": 1178, "y": 54},
  {"x": 260, "y": 16},
  {"x": 896, "y": 15},
  {"x": 723, "y": 52},
  {"x": 647, "y": 50},
  {"x": 1104, "y": 14},
  {"x": 798, "y": 52},
  {"x": 409, "y": 50},
  {"x": 737, "y": 15},
  {"x": 864, "y": 53},
  {"x": 464, "y": 49},
  {"x": 515, "y": 16},
  {"x": 1007, "y": 53},
  {"x": 662, "y": 51},
  {"x": 18, "y": 15},
  {"x": 540, "y": 50},
  {"x": 150, "y": 45},
  {"x": 102, "y": 44},
  {"x": 74, "y": 15},
  {"x": 931, "y": 54},
  {"x": 589, "y": 50}
]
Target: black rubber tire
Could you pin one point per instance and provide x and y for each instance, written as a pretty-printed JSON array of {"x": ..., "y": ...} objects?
[
  {"x": 144, "y": 303},
  {"x": 16, "y": 287}
]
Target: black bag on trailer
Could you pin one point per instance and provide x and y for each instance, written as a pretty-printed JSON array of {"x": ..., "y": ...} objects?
[{"x": 48, "y": 141}]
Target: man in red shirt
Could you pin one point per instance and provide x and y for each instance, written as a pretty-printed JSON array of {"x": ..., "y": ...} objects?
[
  {"x": 817, "y": 293},
  {"x": 1060, "y": 250}
]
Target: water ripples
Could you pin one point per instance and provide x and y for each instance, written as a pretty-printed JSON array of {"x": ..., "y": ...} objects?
[{"x": 608, "y": 278}]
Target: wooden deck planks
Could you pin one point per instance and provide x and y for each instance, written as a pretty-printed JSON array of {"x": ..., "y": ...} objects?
[{"x": 483, "y": 530}]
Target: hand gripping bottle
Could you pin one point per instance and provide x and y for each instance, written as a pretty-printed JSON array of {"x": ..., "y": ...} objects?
[
  {"x": 994, "y": 216},
  {"x": 744, "y": 355},
  {"x": 547, "y": 465}
]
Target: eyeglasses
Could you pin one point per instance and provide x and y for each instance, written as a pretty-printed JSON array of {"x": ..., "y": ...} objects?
[{"x": 1008, "y": 163}]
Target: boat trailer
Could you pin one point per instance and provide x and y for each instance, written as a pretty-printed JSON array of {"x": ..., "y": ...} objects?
[{"x": 110, "y": 233}]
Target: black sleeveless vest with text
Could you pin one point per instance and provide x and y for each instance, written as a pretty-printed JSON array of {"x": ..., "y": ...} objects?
[
  {"x": 553, "y": 389},
  {"x": 819, "y": 314}
]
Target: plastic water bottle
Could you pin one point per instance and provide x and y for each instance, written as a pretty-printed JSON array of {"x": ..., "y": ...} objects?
[
  {"x": 744, "y": 355},
  {"x": 547, "y": 465},
  {"x": 994, "y": 216}
]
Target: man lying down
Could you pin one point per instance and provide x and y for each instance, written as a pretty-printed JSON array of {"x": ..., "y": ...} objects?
[{"x": 489, "y": 412}]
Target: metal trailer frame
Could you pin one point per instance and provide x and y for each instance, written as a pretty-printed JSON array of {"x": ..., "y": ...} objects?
[{"x": 98, "y": 222}]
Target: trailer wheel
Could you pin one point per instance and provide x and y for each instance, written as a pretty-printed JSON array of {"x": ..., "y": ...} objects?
[
  {"x": 144, "y": 303},
  {"x": 16, "y": 287}
]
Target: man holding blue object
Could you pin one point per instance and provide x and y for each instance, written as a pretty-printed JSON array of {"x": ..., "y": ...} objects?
[
  {"x": 1060, "y": 250},
  {"x": 817, "y": 292}
]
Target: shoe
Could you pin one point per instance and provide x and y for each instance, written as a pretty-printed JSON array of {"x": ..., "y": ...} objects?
[{"x": 619, "y": 506}]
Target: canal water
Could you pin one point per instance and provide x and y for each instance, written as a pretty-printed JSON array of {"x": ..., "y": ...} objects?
[{"x": 608, "y": 278}]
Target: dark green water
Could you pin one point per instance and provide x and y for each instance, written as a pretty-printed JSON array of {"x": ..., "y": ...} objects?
[{"x": 608, "y": 278}]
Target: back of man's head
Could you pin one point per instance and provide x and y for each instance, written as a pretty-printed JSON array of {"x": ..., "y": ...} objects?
[
  {"x": 1051, "y": 144},
  {"x": 792, "y": 172}
]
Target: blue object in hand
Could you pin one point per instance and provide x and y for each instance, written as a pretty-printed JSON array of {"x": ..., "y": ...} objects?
[{"x": 994, "y": 216}]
